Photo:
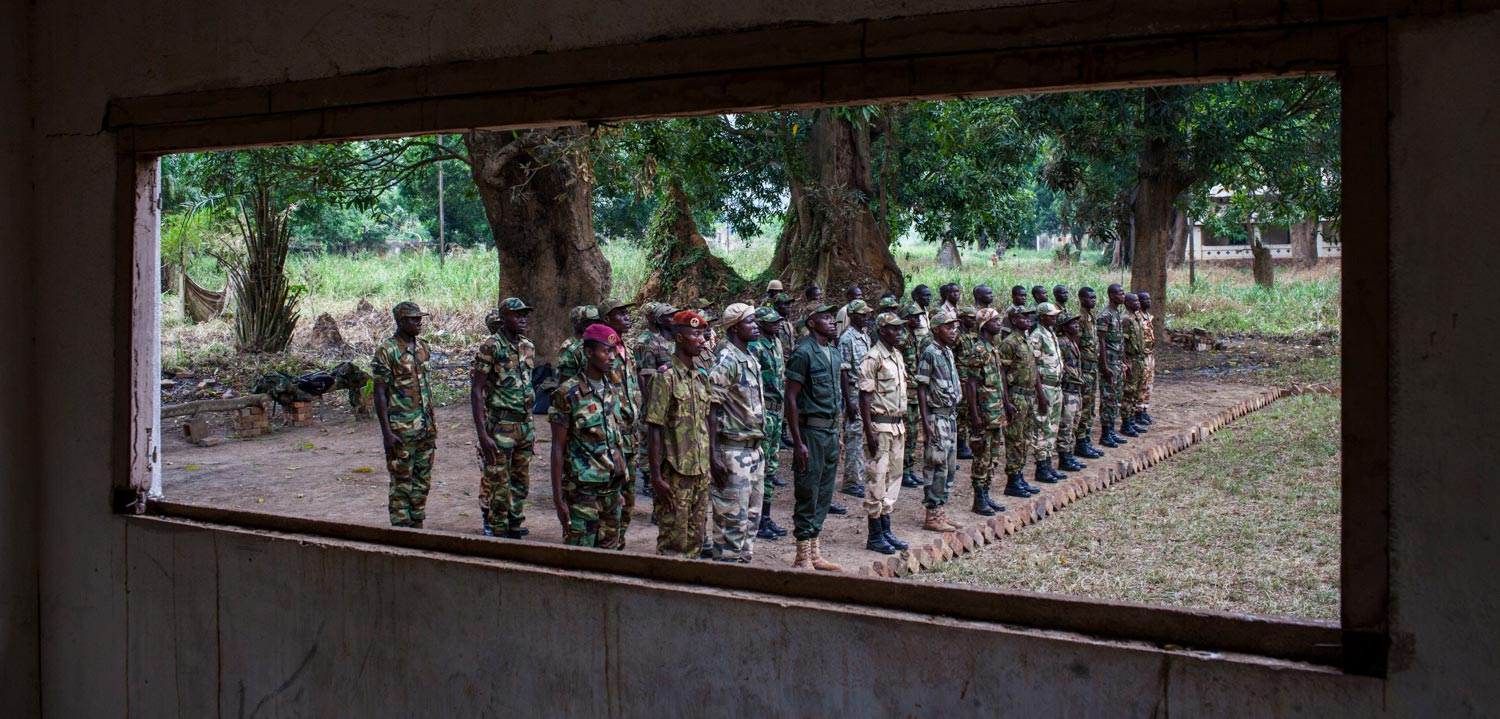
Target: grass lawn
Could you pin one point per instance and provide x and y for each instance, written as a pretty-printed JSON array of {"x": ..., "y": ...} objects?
[{"x": 1246, "y": 522}]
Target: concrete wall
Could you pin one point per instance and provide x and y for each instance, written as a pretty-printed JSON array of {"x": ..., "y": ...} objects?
[{"x": 147, "y": 618}]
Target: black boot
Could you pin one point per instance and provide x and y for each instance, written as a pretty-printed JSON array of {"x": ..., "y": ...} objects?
[
  {"x": 885, "y": 529},
  {"x": 1127, "y": 428},
  {"x": 910, "y": 480},
  {"x": 1081, "y": 449},
  {"x": 981, "y": 507},
  {"x": 1043, "y": 474},
  {"x": 1094, "y": 452},
  {"x": 854, "y": 490},
  {"x": 1144, "y": 417},
  {"x": 1052, "y": 471},
  {"x": 777, "y": 481},
  {"x": 834, "y": 508},
  {"x": 1107, "y": 435},
  {"x": 765, "y": 531},
  {"x": 1135, "y": 421},
  {"x": 998, "y": 507},
  {"x": 963, "y": 449},
  {"x": 645, "y": 487},
  {"x": 1015, "y": 486},
  {"x": 1066, "y": 463},
  {"x": 877, "y": 541}
]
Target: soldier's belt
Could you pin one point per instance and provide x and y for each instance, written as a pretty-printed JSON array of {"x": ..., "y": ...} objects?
[
  {"x": 1072, "y": 387},
  {"x": 774, "y": 404},
  {"x": 887, "y": 418},
  {"x": 819, "y": 422},
  {"x": 739, "y": 443},
  {"x": 943, "y": 411},
  {"x": 1025, "y": 391},
  {"x": 1051, "y": 382},
  {"x": 512, "y": 417}
]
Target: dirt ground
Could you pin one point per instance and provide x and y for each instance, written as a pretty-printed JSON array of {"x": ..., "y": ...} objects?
[{"x": 335, "y": 471}]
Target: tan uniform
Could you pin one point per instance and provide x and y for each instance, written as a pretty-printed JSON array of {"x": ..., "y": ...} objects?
[{"x": 882, "y": 375}]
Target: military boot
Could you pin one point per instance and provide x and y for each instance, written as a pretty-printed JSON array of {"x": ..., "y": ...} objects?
[
  {"x": 765, "y": 530},
  {"x": 1053, "y": 471},
  {"x": 1082, "y": 448},
  {"x": 777, "y": 481},
  {"x": 836, "y": 508},
  {"x": 936, "y": 522},
  {"x": 964, "y": 452},
  {"x": 819, "y": 563},
  {"x": 1127, "y": 428},
  {"x": 877, "y": 541},
  {"x": 1066, "y": 463},
  {"x": 981, "y": 507},
  {"x": 885, "y": 526},
  {"x": 854, "y": 490},
  {"x": 1135, "y": 421},
  {"x": 1044, "y": 472},
  {"x": 804, "y": 555},
  {"x": 910, "y": 480},
  {"x": 998, "y": 507},
  {"x": 1107, "y": 435},
  {"x": 1144, "y": 417},
  {"x": 1015, "y": 486}
]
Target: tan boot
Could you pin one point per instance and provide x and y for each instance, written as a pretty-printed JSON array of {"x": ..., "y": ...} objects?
[
  {"x": 943, "y": 517},
  {"x": 821, "y": 564},
  {"x": 934, "y": 521},
  {"x": 804, "y": 555}
]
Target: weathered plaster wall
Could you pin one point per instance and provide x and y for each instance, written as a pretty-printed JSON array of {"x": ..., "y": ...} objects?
[{"x": 156, "y": 620}]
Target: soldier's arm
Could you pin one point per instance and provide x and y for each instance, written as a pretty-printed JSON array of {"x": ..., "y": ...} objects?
[
  {"x": 559, "y": 454},
  {"x": 922, "y": 409},
  {"x": 717, "y": 471},
  {"x": 478, "y": 386}
]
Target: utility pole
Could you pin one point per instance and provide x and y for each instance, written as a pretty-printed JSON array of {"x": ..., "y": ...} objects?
[{"x": 442, "y": 229}]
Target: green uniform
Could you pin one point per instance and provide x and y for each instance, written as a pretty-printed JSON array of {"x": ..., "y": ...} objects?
[
  {"x": 963, "y": 346},
  {"x": 1049, "y": 365},
  {"x": 1019, "y": 364},
  {"x": 915, "y": 344},
  {"x": 773, "y": 387},
  {"x": 570, "y": 360},
  {"x": 627, "y": 383},
  {"x": 679, "y": 407},
  {"x": 819, "y": 405},
  {"x": 1135, "y": 364},
  {"x": 1072, "y": 390},
  {"x": 1110, "y": 388},
  {"x": 1088, "y": 367},
  {"x": 853, "y": 346},
  {"x": 508, "y": 399},
  {"x": 594, "y": 468},
  {"x": 937, "y": 373},
  {"x": 989, "y": 398},
  {"x": 403, "y": 370}
]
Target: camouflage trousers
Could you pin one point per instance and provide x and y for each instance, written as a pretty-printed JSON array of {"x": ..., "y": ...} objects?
[
  {"x": 1135, "y": 380},
  {"x": 771, "y": 448},
  {"x": 854, "y": 453},
  {"x": 592, "y": 507},
  {"x": 941, "y": 459},
  {"x": 913, "y": 424},
  {"x": 612, "y": 533},
  {"x": 988, "y": 444},
  {"x": 1148, "y": 378},
  {"x": 504, "y": 485},
  {"x": 1110, "y": 389},
  {"x": 884, "y": 470},
  {"x": 1087, "y": 399},
  {"x": 679, "y": 532},
  {"x": 1018, "y": 433},
  {"x": 736, "y": 505},
  {"x": 813, "y": 488},
  {"x": 962, "y": 425},
  {"x": 1066, "y": 437},
  {"x": 1044, "y": 431},
  {"x": 410, "y": 467}
]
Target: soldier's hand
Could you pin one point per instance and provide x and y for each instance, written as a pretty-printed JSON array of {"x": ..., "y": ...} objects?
[
  {"x": 391, "y": 442},
  {"x": 974, "y": 420},
  {"x": 561, "y": 505},
  {"x": 718, "y": 472},
  {"x": 1106, "y": 373},
  {"x": 931, "y": 430},
  {"x": 662, "y": 496},
  {"x": 799, "y": 457},
  {"x": 1042, "y": 405},
  {"x": 872, "y": 445},
  {"x": 1010, "y": 411},
  {"x": 488, "y": 450},
  {"x": 851, "y": 415}
]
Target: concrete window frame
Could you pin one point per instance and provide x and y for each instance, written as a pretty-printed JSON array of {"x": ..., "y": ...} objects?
[{"x": 1072, "y": 46}]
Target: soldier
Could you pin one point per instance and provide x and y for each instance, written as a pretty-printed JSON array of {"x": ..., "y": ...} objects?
[
  {"x": 1049, "y": 367},
  {"x": 983, "y": 297},
  {"x": 403, "y": 402},
  {"x": 1024, "y": 400},
  {"x": 1111, "y": 366},
  {"x": 652, "y": 354},
  {"x": 678, "y": 442},
  {"x": 500, "y": 399},
  {"x": 841, "y": 321},
  {"x": 737, "y": 431},
  {"x": 1135, "y": 366},
  {"x": 813, "y": 405},
  {"x": 1072, "y": 390},
  {"x": 570, "y": 359},
  {"x": 1088, "y": 364},
  {"x": 939, "y": 391},
  {"x": 589, "y": 467},
  {"x": 854, "y": 344},
  {"x": 1060, "y": 297},
  {"x": 922, "y": 296},
  {"x": 1038, "y": 295},
  {"x": 786, "y": 332},
  {"x": 773, "y": 290},
  {"x": 989, "y": 411},
  {"x": 964, "y": 338},
  {"x": 772, "y": 360},
  {"x": 1148, "y": 378},
  {"x": 913, "y": 314},
  {"x": 950, "y": 294},
  {"x": 626, "y": 378},
  {"x": 881, "y": 377},
  {"x": 1018, "y": 296}
]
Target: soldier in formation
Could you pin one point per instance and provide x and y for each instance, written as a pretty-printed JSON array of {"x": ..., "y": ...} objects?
[
  {"x": 589, "y": 468},
  {"x": 403, "y": 402},
  {"x": 501, "y": 397},
  {"x": 939, "y": 392},
  {"x": 678, "y": 442},
  {"x": 881, "y": 380},
  {"x": 737, "y": 433}
]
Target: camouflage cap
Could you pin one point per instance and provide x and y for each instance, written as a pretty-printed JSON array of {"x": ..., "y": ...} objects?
[
  {"x": 985, "y": 315},
  {"x": 661, "y": 308},
  {"x": 858, "y": 307},
  {"x": 1016, "y": 310},
  {"x": 887, "y": 319},
  {"x": 649, "y": 308},
  {"x": 889, "y": 303},
  {"x": 1047, "y": 308},
  {"x": 610, "y": 304},
  {"x": 818, "y": 309},
  {"x": 1071, "y": 320},
  {"x": 968, "y": 311},
  {"x": 911, "y": 309},
  {"x": 514, "y": 304},
  {"x": 407, "y": 309},
  {"x": 583, "y": 312},
  {"x": 491, "y": 318},
  {"x": 767, "y": 315},
  {"x": 943, "y": 317}
]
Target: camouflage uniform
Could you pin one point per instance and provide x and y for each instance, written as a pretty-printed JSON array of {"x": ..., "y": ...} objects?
[
  {"x": 679, "y": 407},
  {"x": 916, "y": 319},
  {"x": 1110, "y": 388},
  {"x": 772, "y": 360},
  {"x": 570, "y": 358},
  {"x": 882, "y": 375},
  {"x": 854, "y": 345},
  {"x": 627, "y": 384},
  {"x": 1072, "y": 392},
  {"x": 403, "y": 370},
  {"x": 1148, "y": 376},
  {"x": 1049, "y": 364},
  {"x": 508, "y": 399},
  {"x": 594, "y": 469},
  {"x": 1135, "y": 363},
  {"x": 1088, "y": 367},
  {"x": 736, "y": 391},
  {"x": 938, "y": 373},
  {"x": 1019, "y": 362},
  {"x": 990, "y": 436},
  {"x": 963, "y": 346}
]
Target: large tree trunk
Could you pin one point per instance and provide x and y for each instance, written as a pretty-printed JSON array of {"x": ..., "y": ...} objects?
[
  {"x": 948, "y": 256},
  {"x": 683, "y": 270},
  {"x": 1305, "y": 243},
  {"x": 1177, "y": 253},
  {"x": 1261, "y": 265},
  {"x": 832, "y": 238},
  {"x": 541, "y": 213},
  {"x": 1160, "y": 184}
]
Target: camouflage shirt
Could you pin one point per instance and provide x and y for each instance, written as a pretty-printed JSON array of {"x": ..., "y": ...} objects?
[
  {"x": 853, "y": 346},
  {"x": 653, "y": 353},
  {"x": 964, "y": 345},
  {"x": 679, "y": 406},
  {"x": 1112, "y": 325},
  {"x": 882, "y": 375},
  {"x": 1049, "y": 361},
  {"x": 507, "y": 369},
  {"x": 772, "y": 370},
  {"x": 628, "y": 387},
  {"x": 570, "y": 359},
  {"x": 1088, "y": 339},
  {"x": 403, "y": 370},
  {"x": 1072, "y": 366},
  {"x": 910, "y": 353},
  {"x": 989, "y": 381},
  {"x": 1147, "y": 331},
  {"x": 590, "y": 412},
  {"x": 1019, "y": 362},
  {"x": 1135, "y": 339},
  {"x": 735, "y": 386},
  {"x": 938, "y": 373}
]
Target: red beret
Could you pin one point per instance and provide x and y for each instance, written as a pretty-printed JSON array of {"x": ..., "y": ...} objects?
[
  {"x": 601, "y": 333},
  {"x": 689, "y": 318}
]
